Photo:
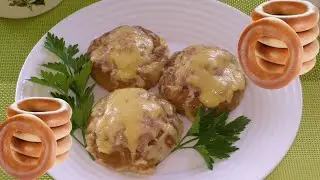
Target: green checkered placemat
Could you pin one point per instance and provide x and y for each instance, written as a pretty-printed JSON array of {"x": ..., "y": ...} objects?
[{"x": 17, "y": 37}]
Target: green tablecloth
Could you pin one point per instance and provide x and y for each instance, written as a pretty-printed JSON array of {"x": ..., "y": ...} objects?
[{"x": 17, "y": 37}]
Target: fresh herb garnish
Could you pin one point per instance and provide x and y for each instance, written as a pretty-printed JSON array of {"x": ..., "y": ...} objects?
[
  {"x": 214, "y": 136},
  {"x": 69, "y": 80}
]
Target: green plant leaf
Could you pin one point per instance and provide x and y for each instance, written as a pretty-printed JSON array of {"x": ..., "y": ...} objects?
[
  {"x": 69, "y": 78},
  {"x": 206, "y": 156},
  {"x": 213, "y": 135},
  {"x": 57, "y": 66}
]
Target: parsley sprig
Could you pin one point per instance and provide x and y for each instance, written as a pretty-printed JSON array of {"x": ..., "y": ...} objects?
[
  {"x": 68, "y": 78},
  {"x": 213, "y": 135}
]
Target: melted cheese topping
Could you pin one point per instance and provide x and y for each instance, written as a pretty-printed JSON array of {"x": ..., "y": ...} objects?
[
  {"x": 135, "y": 119},
  {"x": 127, "y": 48},
  {"x": 127, "y": 63},
  {"x": 214, "y": 71},
  {"x": 124, "y": 111}
]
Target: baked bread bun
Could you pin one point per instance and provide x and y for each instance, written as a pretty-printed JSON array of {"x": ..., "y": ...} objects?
[
  {"x": 202, "y": 75},
  {"x": 128, "y": 56},
  {"x": 132, "y": 130}
]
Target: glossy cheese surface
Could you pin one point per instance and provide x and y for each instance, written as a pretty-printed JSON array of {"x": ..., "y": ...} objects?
[
  {"x": 126, "y": 50},
  {"x": 214, "y": 71},
  {"x": 136, "y": 121}
]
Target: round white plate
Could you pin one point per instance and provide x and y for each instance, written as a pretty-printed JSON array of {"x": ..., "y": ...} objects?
[{"x": 275, "y": 114}]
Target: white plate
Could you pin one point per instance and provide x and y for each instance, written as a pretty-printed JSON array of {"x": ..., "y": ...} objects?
[{"x": 275, "y": 114}]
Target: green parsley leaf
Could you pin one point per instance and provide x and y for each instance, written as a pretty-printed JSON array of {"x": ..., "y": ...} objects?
[
  {"x": 82, "y": 77},
  {"x": 213, "y": 135},
  {"x": 58, "y": 81},
  {"x": 69, "y": 79},
  {"x": 57, "y": 47},
  {"x": 205, "y": 154},
  {"x": 80, "y": 61},
  {"x": 60, "y": 67},
  {"x": 194, "y": 130}
]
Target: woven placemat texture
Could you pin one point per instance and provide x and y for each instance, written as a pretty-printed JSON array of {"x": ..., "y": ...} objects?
[{"x": 17, "y": 37}]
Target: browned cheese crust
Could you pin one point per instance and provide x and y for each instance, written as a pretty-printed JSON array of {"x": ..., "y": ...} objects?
[
  {"x": 128, "y": 56},
  {"x": 195, "y": 77},
  {"x": 132, "y": 130}
]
